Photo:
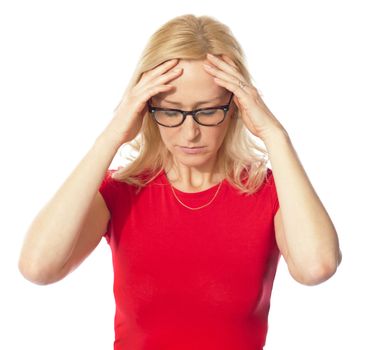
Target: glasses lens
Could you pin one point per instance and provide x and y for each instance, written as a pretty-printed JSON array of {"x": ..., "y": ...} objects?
[
  {"x": 210, "y": 116},
  {"x": 173, "y": 118},
  {"x": 168, "y": 118}
]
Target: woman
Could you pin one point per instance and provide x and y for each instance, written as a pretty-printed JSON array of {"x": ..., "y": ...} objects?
[{"x": 195, "y": 223}]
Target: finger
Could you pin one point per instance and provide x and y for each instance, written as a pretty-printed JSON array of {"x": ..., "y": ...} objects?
[
  {"x": 216, "y": 72},
  {"x": 222, "y": 65},
  {"x": 159, "y": 69},
  {"x": 155, "y": 90},
  {"x": 240, "y": 93},
  {"x": 222, "y": 75},
  {"x": 229, "y": 61},
  {"x": 152, "y": 82},
  {"x": 166, "y": 77},
  {"x": 150, "y": 75}
]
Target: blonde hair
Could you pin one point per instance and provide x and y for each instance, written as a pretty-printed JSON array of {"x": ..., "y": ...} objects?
[{"x": 191, "y": 37}]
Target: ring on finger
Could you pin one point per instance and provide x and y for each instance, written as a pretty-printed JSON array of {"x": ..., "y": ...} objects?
[{"x": 242, "y": 84}]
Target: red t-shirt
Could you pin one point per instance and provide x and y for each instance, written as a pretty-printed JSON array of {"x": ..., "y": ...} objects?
[{"x": 191, "y": 279}]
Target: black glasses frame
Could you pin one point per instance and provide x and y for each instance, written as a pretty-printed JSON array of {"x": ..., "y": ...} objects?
[{"x": 153, "y": 109}]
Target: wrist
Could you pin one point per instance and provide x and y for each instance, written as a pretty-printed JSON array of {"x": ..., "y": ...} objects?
[
  {"x": 275, "y": 135},
  {"x": 109, "y": 139}
]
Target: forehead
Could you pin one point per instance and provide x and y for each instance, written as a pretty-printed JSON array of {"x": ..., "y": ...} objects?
[{"x": 192, "y": 85}]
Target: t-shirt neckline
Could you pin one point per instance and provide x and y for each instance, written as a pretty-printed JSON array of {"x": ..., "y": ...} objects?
[{"x": 192, "y": 194}]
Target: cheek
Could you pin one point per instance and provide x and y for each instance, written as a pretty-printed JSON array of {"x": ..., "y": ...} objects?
[
  {"x": 221, "y": 138},
  {"x": 215, "y": 139},
  {"x": 222, "y": 132},
  {"x": 168, "y": 136}
]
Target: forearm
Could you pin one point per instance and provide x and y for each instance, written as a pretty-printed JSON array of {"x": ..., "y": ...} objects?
[
  {"x": 54, "y": 231},
  {"x": 311, "y": 237}
]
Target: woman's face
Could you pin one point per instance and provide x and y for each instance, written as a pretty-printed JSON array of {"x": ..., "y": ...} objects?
[{"x": 191, "y": 87}]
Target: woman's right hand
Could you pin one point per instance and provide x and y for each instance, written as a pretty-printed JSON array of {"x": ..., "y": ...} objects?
[{"x": 130, "y": 112}]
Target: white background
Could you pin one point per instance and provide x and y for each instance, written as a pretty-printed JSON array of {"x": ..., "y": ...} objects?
[{"x": 64, "y": 66}]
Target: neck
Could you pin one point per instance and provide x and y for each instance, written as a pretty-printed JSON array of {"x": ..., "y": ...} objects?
[{"x": 193, "y": 179}]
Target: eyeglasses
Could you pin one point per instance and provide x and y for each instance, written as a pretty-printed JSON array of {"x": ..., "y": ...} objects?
[{"x": 171, "y": 118}]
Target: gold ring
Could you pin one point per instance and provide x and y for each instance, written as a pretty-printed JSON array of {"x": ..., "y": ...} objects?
[{"x": 242, "y": 84}]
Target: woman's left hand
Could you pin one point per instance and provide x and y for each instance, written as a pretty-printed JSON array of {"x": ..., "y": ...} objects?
[{"x": 255, "y": 114}]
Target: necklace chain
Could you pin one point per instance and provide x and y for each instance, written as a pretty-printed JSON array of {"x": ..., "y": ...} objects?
[{"x": 219, "y": 186}]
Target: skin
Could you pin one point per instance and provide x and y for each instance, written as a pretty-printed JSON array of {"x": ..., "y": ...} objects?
[
  {"x": 194, "y": 172},
  {"x": 305, "y": 234}
]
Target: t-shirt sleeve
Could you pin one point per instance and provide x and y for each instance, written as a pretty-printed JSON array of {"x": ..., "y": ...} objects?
[
  {"x": 273, "y": 193},
  {"x": 108, "y": 191}
]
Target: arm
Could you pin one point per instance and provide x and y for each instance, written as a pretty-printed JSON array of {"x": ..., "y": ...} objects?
[
  {"x": 304, "y": 231},
  {"x": 48, "y": 250}
]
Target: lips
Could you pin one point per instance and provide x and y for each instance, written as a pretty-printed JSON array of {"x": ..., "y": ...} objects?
[{"x": 191, "y": 150}]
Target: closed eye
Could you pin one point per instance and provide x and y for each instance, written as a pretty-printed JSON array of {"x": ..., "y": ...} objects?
[
  {"x": 209, "y": 112},
  {"x": 171, "y": 113}
]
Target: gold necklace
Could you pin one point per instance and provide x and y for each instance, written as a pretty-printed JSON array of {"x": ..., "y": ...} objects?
[{"x": 219, "y": 186}]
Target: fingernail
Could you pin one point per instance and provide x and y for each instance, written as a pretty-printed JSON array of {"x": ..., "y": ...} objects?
[{"x": 176, "y": 70}]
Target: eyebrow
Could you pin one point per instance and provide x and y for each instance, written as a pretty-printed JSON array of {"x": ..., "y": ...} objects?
[{"x": 197, "y": 104}]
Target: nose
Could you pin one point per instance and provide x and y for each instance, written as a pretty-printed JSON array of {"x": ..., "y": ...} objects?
[{"x": 190, "y": 127}]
